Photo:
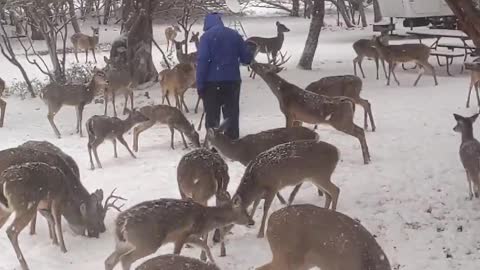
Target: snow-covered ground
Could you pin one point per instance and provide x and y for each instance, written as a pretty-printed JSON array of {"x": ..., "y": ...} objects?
[{"x": 413, "y": 196}]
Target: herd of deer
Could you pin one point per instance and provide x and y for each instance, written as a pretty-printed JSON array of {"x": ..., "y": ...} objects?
[{"x": 38, "y": 176}]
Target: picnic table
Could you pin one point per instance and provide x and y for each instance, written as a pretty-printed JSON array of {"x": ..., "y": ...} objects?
[{"x": 439, "y": 34}]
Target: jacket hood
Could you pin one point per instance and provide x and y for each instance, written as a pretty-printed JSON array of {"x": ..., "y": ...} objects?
[{"x": 211, "y": 20}]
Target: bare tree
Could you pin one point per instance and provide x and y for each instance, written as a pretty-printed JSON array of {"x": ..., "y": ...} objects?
[
  {"x": 376, "y": 11},
  {"x": 468, "y": 16},
  {"x": 313, "y": 34}
]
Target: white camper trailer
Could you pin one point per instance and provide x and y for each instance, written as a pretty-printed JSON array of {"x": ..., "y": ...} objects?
[{"x": 414, "y": 8}]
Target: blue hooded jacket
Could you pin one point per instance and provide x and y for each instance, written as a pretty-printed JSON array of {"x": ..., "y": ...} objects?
[{"x": 220, "y": 53}]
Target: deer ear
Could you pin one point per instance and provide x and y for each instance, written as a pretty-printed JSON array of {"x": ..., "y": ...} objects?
[
  {"x": 457, "y": 117},
  {"x": 237, "y": 201},
  {"x": 473, "y": 118},
  {"x": 99, "y": 194},
  {"x": 277, "y": 23}
]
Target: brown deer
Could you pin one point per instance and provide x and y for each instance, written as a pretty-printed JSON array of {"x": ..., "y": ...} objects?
[
  {"x": 175, "y": 262},
  {"x": 182, "y": 57},
  {"x": 195, "y": 39},
  {"x": 48, "y": 147},
  {"x": 201, "y": 174},
  {"x": 3, "y": 103},
  {"x": 85, "y": 42},
  {"x": 366, "y": 48},
  {"x": 170, "y": 116},
  {"x": 271, "y": 46},
  {"x": 142, "y": 229},
  {"x": 474, "y": 82},
  {"x": 84, "y": 212},
  {"x": 247, "y": 148},
  {"x": 395, "y": 54},
  {"x": 299, "y": 105},
  {"x": 170, "y": 35},
  {"x": 100, "y": 127},
  {"x": 347, "y": 86},
  {"x": 176, "y": 82},
  {"x": 57, "y": 95},
  {"x": 26, "y": 188},
  {"x": 288, "y": 164},
  {"x": 469, "y": 153},
  {"x": 306, "y": 237},
  {"x": 120, "y": 83}
]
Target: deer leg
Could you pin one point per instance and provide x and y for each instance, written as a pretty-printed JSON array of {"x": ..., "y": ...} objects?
[
  {"x": 4, "y": 215},
  {"x": 115, "y": 154},
  {"x": 18, "y": 224},
  {"x": 254, "y": 207},
  {"x": 184, "y": 141},
  {"x": 469, "y": 93},
  {"x": 294, "y": 193},
  {"x": 80, "y": 118},
  {"x": 203, "y": 256},
  {"x": 384, "y": 69},
  {"x": 75, "y": 51},
  {"x": 122, "y": 141},
  {"x": 125, "y": 104},
  {"x": 33, "y": 224},
  {"x": 131, "y": 100},
  {"x": 367, "y": 108},
  {"x": 114, "y": 106},
  {"x": 331, "y": 191},
  {"x": 350, "y": 128},
  {"x": 280, "y": 198},
  {"x": 51, "y": 223},
  {"x": 359, "y": 62},
  {"x": 428, "y": 66},
  {"x": 51, "y": 115},
  {"x": 376, "y": 66},
  {"x": 57, "y": 216},
  {"x": 470, "y": 189},
  {"x": 139, "y": 129},
  {"x": 420, "y": 73},
  {"x": 93, "y": 52},
  {"x": 172, "y": 133},
  {"x": 476, "y": 91},
  {"x": 3, "y": 106},
  {"x": 178, "y": 103},
  {"x": 198, "y": 104},
  {"x": 97, "y": 141},
  {"x": 86, "y": 55},
  {"x": 201, "y": 243},
  {"x": 114, "y": 258},
  {"x": 266, "y": 206},
  {"x": 139, "y": 252},
  {"x": 182, "y": 99}
]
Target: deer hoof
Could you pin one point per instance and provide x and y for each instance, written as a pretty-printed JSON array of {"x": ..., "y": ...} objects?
[{"x": 260, "y": 234}]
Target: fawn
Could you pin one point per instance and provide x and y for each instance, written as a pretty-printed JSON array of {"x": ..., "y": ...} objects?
[
  {"x": 85, "y": 42},
  {"x": 176, "y": 82},
  {"x": 469, "y": 153},
  {"x": 57, "y": 95},
  {"x": 100, "y": 127},
  {"x": 120, "y": 83},
  {"x": 306, "y": 236},
  {"x": 25, "y": 188},
  {"x": 142, "y": 229},
  {"x": 170, "y": 35},
  {"x": 366, "y": 48},
  {"x": 289, "y": 164},
  {"x": 170, "y": 116}
]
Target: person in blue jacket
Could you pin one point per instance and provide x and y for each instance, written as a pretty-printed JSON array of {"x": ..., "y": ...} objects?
[{"x": 220, "y": 53}]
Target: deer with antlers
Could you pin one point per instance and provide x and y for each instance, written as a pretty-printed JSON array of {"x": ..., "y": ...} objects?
[{"x": 300, "y": 106}]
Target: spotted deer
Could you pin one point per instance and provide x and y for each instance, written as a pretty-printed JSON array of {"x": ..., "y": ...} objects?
[
  {"x": 3, "y": 103},
  {"x": 26, "y": 188},
  {"x": 100, "y": 127},
  {"x": 305, "y": 236},
  {"x": 247, "y": 148},
  {"x": 300, "y": 106},
  {"x": 170, "y": 35},
  {"x": 175, "y": 262},
  {"x": 84, "y": 211},
  {"x": 85, "y": 42},
  {"x": 347, "y": 86},
  {"x": 57, "y": 95},
  {"x": 142, "y": 229},
  {"x": 366, "y": 48},
  {"x": 289, "y": 164},
  {"x": 397, "y": 54},
  {"x": 170, "y": 116},
  {"x": 469, "y": 153},
  {"x": 120, "y": 83},
  {"x": 176, "y": 82},
  {"x": 202, "y": 174}
]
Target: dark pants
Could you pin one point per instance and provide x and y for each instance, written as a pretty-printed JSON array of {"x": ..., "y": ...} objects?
[{"x": 224, "y": 96}]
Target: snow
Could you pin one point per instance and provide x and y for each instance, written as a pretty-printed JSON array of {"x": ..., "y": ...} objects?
[{"x": 413, "y": 196}]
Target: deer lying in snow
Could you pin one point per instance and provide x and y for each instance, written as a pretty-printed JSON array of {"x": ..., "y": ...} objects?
[
  {"x": 289, "y": 164},
  {"x": 306, "y": 237},
  {"x": 100, "y": 127},
  {"x": 142, "y": 229},
  {"x": 170, "y": 116}
]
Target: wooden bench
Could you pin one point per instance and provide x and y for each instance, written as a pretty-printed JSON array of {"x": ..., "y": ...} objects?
[{"x": 449, "y": 56}]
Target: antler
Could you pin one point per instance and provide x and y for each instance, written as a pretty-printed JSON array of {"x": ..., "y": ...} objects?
[
  {"x": 111, "y": 204},
  {"x": 282, "y": 60}
]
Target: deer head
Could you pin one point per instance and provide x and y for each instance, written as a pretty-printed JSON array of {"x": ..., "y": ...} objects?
[{"x": 281, "y": 28}]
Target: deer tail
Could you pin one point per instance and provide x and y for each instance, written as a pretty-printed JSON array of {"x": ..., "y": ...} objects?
[{"x": 89, "y": 127}]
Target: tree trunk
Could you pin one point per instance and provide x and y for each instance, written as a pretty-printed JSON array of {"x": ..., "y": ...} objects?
[
  {"x": 106, "y": 11},
  {"x": 361, "y": 10},
  {"x": 468, "y": 18},
  {"x": 295, "y": 8},
  {"x": 342, "y": 9},
  {"x": 139, "y": 40},
  {"x": 313, "y": 34},
  {"x": 307, "y": 9},
  {"x": 376, "y": 11},
  {"x": 71, "y": 11},
  {"x": 36, "y": 34}
]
